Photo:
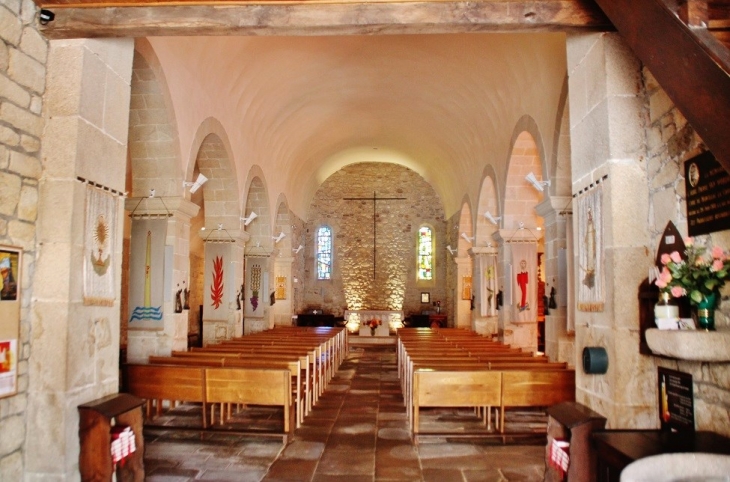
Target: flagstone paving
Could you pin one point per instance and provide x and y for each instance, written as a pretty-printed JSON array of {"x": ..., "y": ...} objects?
[{"x": 358, "y": 431}]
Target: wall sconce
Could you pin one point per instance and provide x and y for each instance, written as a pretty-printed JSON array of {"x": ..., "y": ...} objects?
[
  {"x": 296, "y": 251},
  {"x": 491, "y": 218},
  {"x": 539, "y": 185},
  {"x": 152, "y": 193},
  {"x": 467, "y": 238},
  {"x": 451, "y": 250},
  {"x": 251, "y": 217},
  {"x": 194, "y": 186},
  {"x": 279, "y": 237}
]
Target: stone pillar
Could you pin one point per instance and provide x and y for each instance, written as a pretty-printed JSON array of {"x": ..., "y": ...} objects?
[
  {"x": 608, "y": 117},
  {"x": 174, "y": 334},
  {"x": 559, "y": 343},
  {"x": 521, "y": 334},
  {"x": 229, "y": 244},
  {"x": 75, "y": 347},
  {"x": 282, "y": 311},
  {"x": 489, "y": 324},
  {"x": 462, "y": 308}
]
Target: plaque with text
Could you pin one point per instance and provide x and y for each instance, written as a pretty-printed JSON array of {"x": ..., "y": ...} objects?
[
  {"x": 676, "y": 401},
  {"x": 708, "y": 195}
]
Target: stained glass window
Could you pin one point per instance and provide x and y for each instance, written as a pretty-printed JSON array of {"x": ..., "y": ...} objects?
[
  {"x": 324, "y": 253},
  {"x": 425, "y": 253}
]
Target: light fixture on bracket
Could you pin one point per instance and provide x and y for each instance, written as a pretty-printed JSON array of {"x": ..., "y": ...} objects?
[
  {"x": 296, "y": 251},
  {"x": 467, "y": 238},
  {"x": 491, "y": 218},
  {"x": 152, "y": 193},
  {"x": 278, "y": 238},
  {"x": 220, "y": 227},
  {"x": 539, "y": 185},
  {"x": 247, "y": 220},
  {"x": 451, "y": 250},
  {"x": 194, "y": 186}
]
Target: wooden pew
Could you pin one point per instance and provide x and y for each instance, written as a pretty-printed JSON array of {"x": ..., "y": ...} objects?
[
  {"x": 158, "y": 382},
  {"x": 249, "y": 386}
]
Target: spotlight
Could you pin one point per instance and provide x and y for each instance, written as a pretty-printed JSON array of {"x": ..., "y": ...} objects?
[
  {"x": 301, "y": 247},
  {"x": 279, "y": 237},
  {"x": 46, "y": 16},
  {"x": 539, "y": 185},
  {"x": 251, "y": 217},
  {"x": 152, "y": 193},
  {"x": 450, "y": 250},
  {"x": 491, "y": 218},
  {"x": 194, "y": 186},
  {"x": 467, "y": 238}
]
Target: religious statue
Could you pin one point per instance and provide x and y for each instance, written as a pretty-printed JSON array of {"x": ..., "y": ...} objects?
[
  {"x": 552, "y": 303},
  {"x": 178, "y": 301}
]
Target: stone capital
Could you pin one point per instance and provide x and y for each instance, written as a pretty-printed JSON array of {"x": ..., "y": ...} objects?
[{"x": 554, "y": 205}]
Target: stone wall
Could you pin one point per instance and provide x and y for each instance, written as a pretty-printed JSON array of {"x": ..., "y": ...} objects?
[
  {"x": 23, "y": 55},
  {"x": 671, "y": 141},
  {"x": 352, "y": 285}
]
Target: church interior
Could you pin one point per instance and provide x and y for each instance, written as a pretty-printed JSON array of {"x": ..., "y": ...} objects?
[{"x": 357, "y": 183}]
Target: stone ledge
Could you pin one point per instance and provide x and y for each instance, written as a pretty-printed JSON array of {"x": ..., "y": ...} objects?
[{"x": 693, "y": 345}]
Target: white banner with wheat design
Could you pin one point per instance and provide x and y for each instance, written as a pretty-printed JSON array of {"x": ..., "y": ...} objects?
[{"x": 99, "y": 247}]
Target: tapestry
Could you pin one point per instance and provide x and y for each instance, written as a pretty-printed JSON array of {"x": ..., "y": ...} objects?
[
  {"x": 590, "y": 251},
  {"x": 99, "y": 235},
  {"x": 218, "y": 284},
  {"x": 256, "y": 286},
  {"x": 488, "y": 285},
  {"x": 147, "y": 273},
  {"x": 524, "y": 282}
]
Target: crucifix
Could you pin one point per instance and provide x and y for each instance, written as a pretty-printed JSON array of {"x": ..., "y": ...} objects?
[{"x": 375, "y": 200}]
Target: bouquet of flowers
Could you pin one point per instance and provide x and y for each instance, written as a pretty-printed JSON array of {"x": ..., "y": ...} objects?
[
  {"x": 702, "y": 273},
  {"x": 374, "y": 323}
]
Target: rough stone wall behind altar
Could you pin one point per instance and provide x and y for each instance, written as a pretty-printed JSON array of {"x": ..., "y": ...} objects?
[
  {"x": 671, "y": 141},
  {"x": 23, "y": 54},
  {"x": 352, "y": 285}
]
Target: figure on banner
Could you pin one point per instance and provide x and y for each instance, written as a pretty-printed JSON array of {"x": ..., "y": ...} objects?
[
  {"x": 590, "y": 247},
  {"x": 9, "y": 285},
  {"x": 522, "y": 281}
]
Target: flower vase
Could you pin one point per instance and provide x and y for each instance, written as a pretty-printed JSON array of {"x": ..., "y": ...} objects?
[
  {"x": 705, "y": 311},
  {"x": 372, "y": 331}
]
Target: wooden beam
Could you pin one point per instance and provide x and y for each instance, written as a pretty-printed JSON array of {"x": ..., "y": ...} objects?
[
  {"x": 691, "y": 65},
  {"x": 142, "y": 19}
]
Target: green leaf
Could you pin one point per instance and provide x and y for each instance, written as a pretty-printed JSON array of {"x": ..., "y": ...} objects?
[{"x": 696, "y": 296}]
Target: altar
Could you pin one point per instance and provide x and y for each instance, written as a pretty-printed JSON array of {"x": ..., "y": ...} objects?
[{"x": 357, "y": 321}]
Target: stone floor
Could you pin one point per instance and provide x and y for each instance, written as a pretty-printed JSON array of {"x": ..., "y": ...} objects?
[{"x": 357, "y": 432}]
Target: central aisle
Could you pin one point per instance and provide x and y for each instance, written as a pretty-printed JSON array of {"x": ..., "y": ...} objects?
[{"x": 358, "y": 432}]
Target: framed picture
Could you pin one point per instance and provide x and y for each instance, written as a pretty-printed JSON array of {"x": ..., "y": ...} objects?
[
  {"x": 281, "y": 287},
  {"x": 466, "y": 288},
  {"x": 10, "y": 276},
  {"x": 425, "y": 297}
]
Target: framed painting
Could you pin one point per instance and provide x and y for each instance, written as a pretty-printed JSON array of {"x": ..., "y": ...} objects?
[{"x": 425, "y": 297}]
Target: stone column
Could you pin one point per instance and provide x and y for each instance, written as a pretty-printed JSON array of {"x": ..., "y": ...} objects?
[
  {"x": 462, "y": 308},
  {"x": 232, "y": 241},
  {"x": 174, "y": 334},
  {"x": 282, "y": 309},
  {"x": 489, "y": 324},
  {"x": 522, "y": 334},
  {"x": 75, "y": 347},
  {"x": 608, "y": 117},
  {"x": 559, "y": 344}
]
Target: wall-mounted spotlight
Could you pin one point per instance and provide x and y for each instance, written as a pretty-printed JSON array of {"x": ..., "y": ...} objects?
[
  {"x": 296, "y": 251},
  {"x": 450, "y": 250},
  {"x": 45, "y": 16},
  {"x": 251, "y": 217},
  {"x": 539, "y": 185},
  {"x": 467, "y": 238},
  {"x": 194, "y": 186},
  {"x": 220, "y": 227},
  {"x": 279, "y": 237},
  {"x": 152, "y": 193},
  {"x": 491, "y": 218}
]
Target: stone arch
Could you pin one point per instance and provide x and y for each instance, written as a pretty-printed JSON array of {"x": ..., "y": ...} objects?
[
  {"x": 466, "y": 226},
  {"x": 256, "y": 199},
  {"x": 282, "y": 224},
  {"x": 488, "y": 202},
  {"x": 154, "y": 151}
]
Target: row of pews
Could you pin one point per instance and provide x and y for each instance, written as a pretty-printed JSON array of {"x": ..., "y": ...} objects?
[
  {"x": 453, "y": 367},
  {"x": 284, "y": 366}
]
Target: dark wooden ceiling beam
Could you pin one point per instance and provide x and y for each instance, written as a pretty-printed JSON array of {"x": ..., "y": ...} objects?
[
  {"x": 691, "y": 65},
  {"x": 142, "y": 19}
]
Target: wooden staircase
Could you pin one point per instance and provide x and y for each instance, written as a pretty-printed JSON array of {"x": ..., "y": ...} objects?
[{"x": 686, "y": 46}]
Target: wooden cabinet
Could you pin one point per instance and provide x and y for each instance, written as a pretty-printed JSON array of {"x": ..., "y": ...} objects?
[
  {"x": 96, "y": 419},
  {"x": 574, "y": 423}
]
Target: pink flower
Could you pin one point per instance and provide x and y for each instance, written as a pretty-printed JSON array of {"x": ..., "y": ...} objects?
[
  {"x": 676, "y": 257},
  {"x": 665, "y": 258},
  {"x": 689, "y": 241},
  {"x": 665, "y": 275},
  {"x": 677, "y": 291},
  {"x": 661, "y": 284},
  {"x": 717, "y": 265},
  {"x": 718, "y": 253}
]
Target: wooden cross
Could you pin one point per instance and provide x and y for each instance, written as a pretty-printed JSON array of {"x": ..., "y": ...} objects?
[{"x": 374, "y": 199}]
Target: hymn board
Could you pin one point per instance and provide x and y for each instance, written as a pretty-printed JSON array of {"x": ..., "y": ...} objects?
[{"x": 375, "y": 200}]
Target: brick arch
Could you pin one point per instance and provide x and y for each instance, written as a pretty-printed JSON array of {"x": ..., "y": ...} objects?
[
  {"x": 154, "y": 153},
  {"x": 488, "y": 201}
]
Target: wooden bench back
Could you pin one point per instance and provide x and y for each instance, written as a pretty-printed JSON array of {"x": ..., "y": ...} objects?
[
  {"x": 166, "y": 382},
  {"x": 537, "y": 388},
  {"x": 255, "y": 386},
  {"x": 456, "y": 388}
]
